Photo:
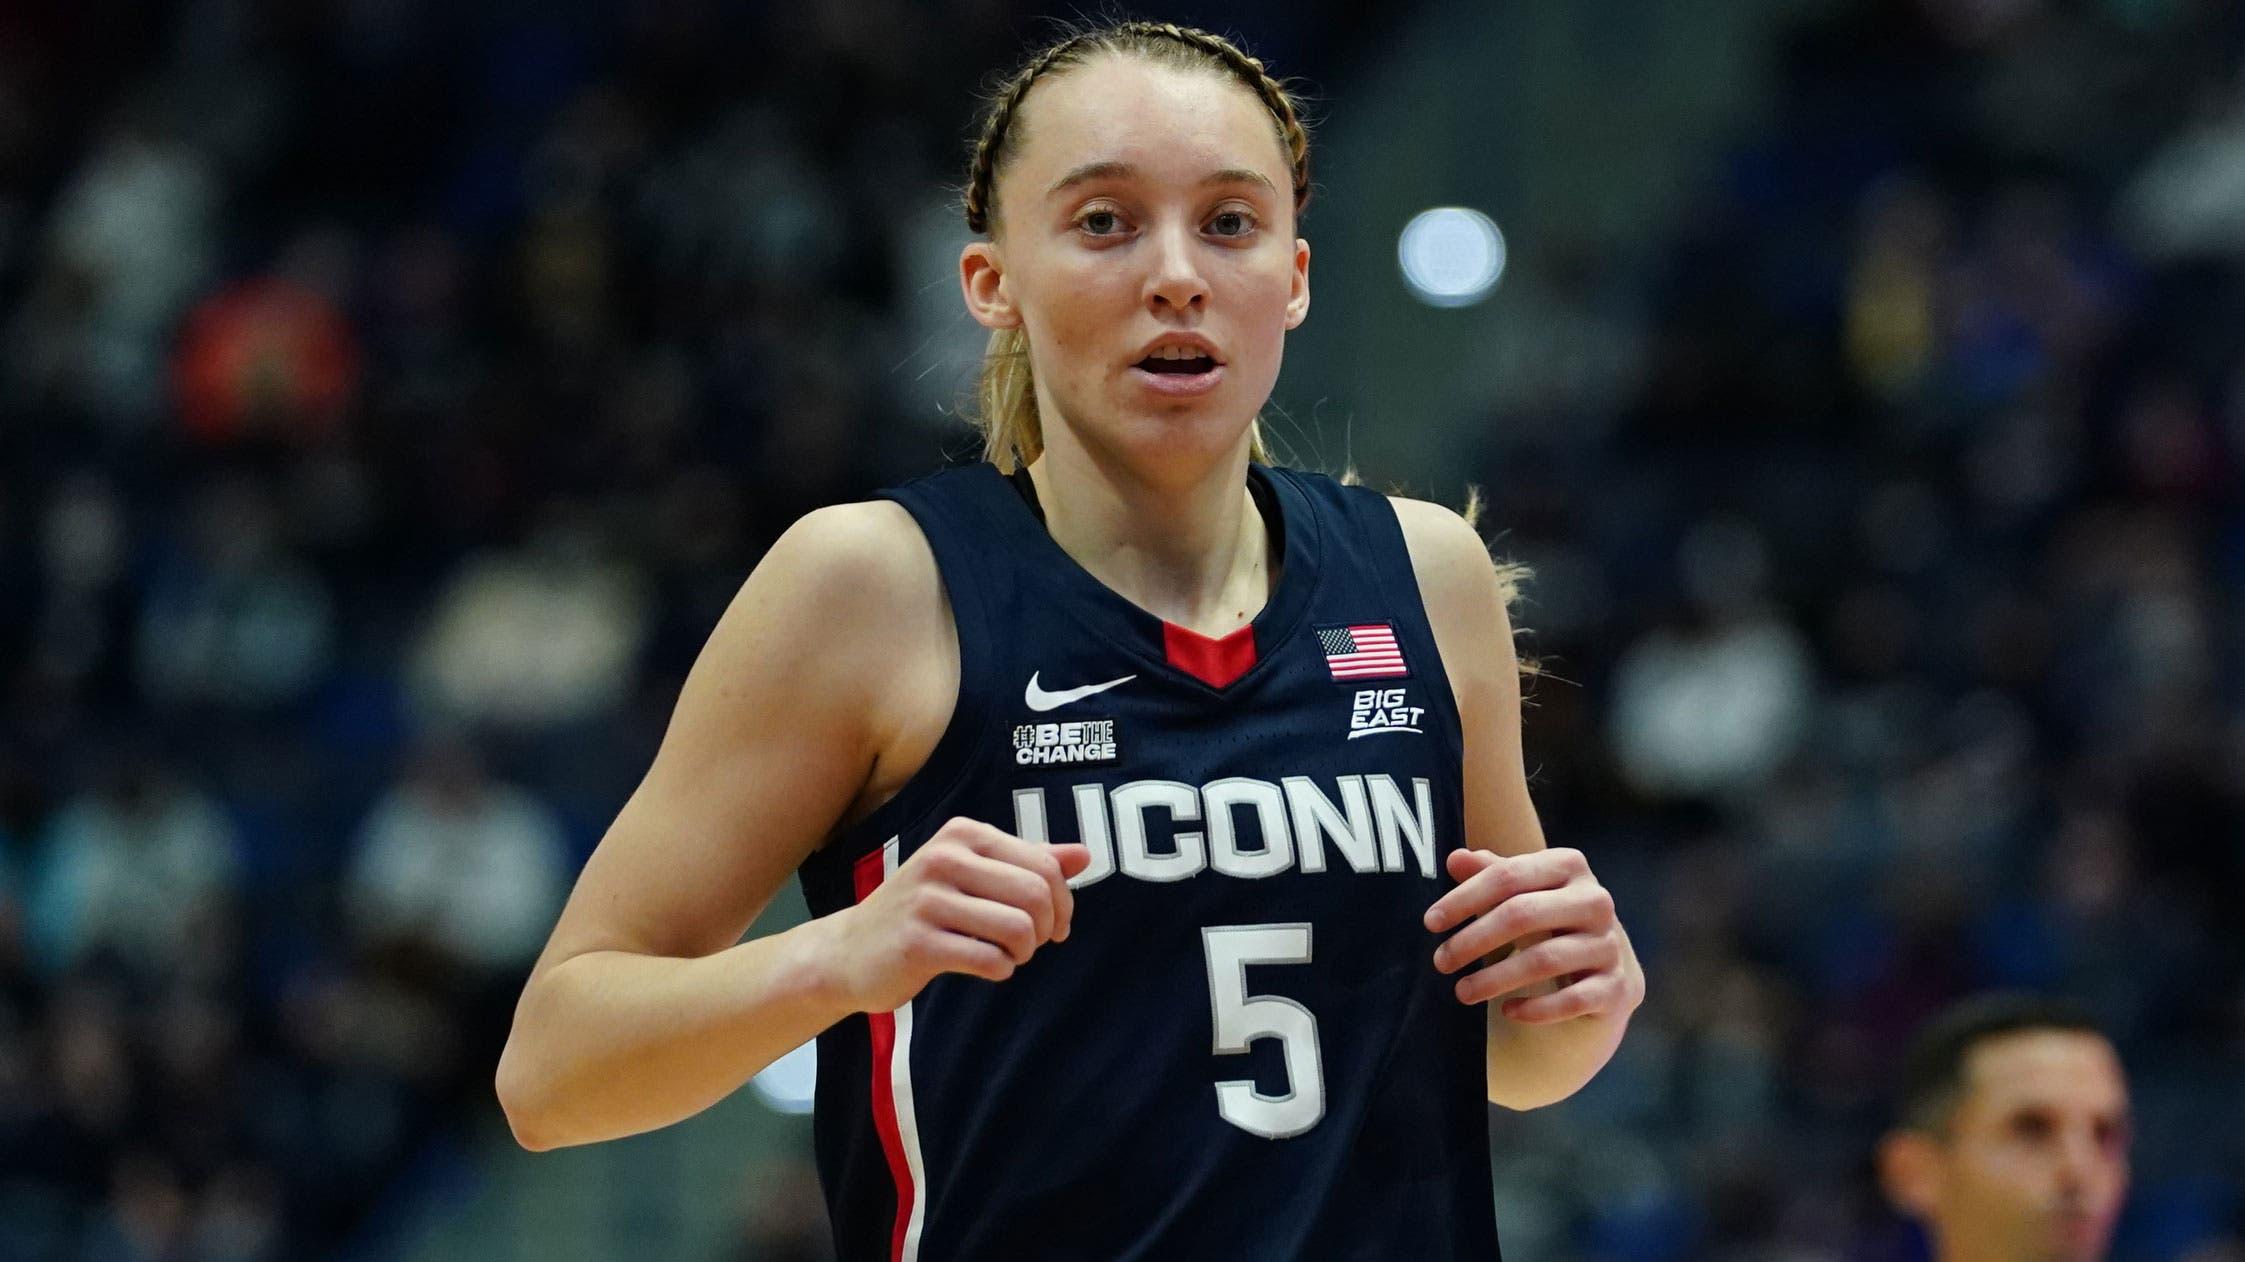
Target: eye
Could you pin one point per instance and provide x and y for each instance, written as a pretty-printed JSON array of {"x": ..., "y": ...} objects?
[
  {"x": 2033, "y": 1127},
  {"x": 2111, "y": 1135},
  {"x": 1100, "y": 222},
  {"x": 1232, "y": 223}
]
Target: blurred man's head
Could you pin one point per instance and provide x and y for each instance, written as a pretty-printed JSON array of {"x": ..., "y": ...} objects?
[{"x": 2012, "y": 1140}]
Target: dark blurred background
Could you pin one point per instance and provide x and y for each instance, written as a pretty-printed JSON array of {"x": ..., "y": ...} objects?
[{"x": 392, "y": 393}]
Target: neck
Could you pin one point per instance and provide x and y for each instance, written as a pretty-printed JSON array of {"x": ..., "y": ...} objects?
[
  {"x": 1187, "y": 546},
  {"x": 1956, "y": 1247}
]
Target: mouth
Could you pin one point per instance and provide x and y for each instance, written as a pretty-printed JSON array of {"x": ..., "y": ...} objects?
[
  {"x": 1178, "y": 371},
  {"x": 1185, "y": 367},
  {"x": 2076, "y": 1228}
]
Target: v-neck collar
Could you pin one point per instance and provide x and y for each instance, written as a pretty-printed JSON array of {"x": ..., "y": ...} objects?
[{"x": 1216, "y": 664}]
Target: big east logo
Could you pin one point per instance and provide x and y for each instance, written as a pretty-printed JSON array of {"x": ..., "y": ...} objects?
[{"x": 1380, "y": 710}]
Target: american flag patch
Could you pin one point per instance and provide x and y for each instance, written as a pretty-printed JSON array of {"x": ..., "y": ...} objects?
[{"x": 1365, "y": 651}]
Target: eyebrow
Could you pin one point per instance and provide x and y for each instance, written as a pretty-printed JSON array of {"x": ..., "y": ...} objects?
[{"x": 1123, "y": 170}]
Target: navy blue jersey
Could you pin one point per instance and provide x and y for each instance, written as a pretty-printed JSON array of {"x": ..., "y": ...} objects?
[{"x": 1243, "y": 1050}]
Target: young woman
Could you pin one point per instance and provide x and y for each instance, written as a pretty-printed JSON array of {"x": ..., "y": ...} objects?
[{"x": 1162, "y": 812}]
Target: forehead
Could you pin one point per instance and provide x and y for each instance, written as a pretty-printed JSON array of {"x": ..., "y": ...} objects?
[
  {"x": 1168, "y": 122},
  {"x": 2063, "y": 1069}
]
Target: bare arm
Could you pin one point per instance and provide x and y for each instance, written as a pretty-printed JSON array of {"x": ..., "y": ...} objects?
[
  {"x": 642, "y": 1010},
  {"x": 1540, "y": 912}
]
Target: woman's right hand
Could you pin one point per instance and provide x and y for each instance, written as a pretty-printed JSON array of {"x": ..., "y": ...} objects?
[{"x": 972, "y": 899}]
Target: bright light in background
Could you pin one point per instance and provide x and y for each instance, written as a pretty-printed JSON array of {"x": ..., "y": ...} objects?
[
  {"x": 788, "y": 1083},
  {"x": 1452, "y": 256}
]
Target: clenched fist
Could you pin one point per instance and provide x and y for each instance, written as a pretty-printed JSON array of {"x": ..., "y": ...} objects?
[
  {"x": 1559, "y": 921},
  {"x": 972, "y": 899}
]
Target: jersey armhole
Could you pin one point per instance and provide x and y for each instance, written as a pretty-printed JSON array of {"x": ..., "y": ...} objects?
[
  {"x": 1384, "y": 526},
  {"x": 960, "y": 746}
]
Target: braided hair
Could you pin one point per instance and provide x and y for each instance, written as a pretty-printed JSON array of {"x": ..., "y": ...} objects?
[{"x": 1013, "y": 433}]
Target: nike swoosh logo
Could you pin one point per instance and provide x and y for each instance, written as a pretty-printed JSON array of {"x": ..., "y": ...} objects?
[{"x": 1040, "y": 700}]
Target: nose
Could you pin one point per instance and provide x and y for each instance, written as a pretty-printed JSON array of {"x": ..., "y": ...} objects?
[
  {"x": 2080, "y": 1161},
  {"x": 1175, "y": 282}
]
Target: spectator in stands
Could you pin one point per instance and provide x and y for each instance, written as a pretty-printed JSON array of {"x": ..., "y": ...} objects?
[
  {"x": 2013, "y": 1133},
  {"x": 125, "y": 873},
  {"x": 1884, "y": 493},
  {"x": 457, "y": 868}
]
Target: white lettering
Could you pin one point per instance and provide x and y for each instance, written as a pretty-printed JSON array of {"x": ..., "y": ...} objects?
[
  {"x": 1029, "y": 816},
  {"x": 1378, "y": 710},
  {"x": 1091, "y": 828},
  {"x": 1132, "y": 801},
  {"x": 1315, "y": 818},
  {"x": 1219, "y": 799},
  {"x": 1397, "y": 825},
  {"x": 1250, "y": 828},
  {"x": 1039, "y": 756}
]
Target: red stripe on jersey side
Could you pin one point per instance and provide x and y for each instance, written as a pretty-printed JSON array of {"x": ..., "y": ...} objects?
[
  {"x": 1213, "y": 662},
  {"x": 868, "y": 872}
]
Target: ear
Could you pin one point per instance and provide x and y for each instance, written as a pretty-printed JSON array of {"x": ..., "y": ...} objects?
[
  {"x": 982, "y": 281},
  {"x": 1298, "y": 302},
  {"x": 1910, "y": 1173}
]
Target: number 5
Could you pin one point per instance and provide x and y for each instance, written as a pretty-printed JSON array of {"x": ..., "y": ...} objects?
[{"x": 1241, "y": 1018}]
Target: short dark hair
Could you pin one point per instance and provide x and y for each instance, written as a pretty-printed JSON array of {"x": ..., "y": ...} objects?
[{"x": 1933, "y": 1067}]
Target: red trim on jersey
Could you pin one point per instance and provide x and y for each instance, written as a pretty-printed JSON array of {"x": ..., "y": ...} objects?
[
  {"x": 1213, "y": 662},
  {"x": 868, "y": 872}
]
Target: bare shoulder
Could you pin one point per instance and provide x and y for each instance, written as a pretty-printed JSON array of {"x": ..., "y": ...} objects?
[
  {"x": 1465, "y": 590},
  {"x": 840, "y": 591},
  {"x": 1466, "y": 595},
  {"x": 1445, "y": 549},
  {"x": 864, "y": 554},
  {"x": 877, "y": 616},
  {"x": 854, "y": 592},
  {"x": 831, "y": 648}
]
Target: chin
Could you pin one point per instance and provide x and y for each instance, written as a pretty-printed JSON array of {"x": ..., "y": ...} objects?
[
  {"x": 1202, "y": 430},
  {"x": 2079, "y": 1241}
]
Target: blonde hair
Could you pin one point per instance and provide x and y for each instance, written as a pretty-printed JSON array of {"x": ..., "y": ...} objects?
[{"x": 1005, "y": 392}]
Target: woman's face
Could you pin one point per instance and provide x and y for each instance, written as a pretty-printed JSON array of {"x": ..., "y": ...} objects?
[{"x": 1146, "y": 210}]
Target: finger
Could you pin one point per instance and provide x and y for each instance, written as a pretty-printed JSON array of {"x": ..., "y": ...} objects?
[
  {"x": 1074, "y": 858},
  {"x": 1001, "y": 882},
  {"x": 1000, "y": 924},
  {"x": 1590, "y": 995},
  {"x": 1465, "y": 861},
  {"x": 1575, "y": 909},
  {"x": 1563, "y": 956},
  {"x": 958, "y": 953},
  {"x": 991, "y": 864},
  {"x": 1496, "y": 882},
  {"x": 1032, "y": 856}
]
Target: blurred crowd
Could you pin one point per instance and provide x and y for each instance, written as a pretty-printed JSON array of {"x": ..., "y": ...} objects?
[
  {"x": 1901, "y": 613},
  {"x": 392, "y": 395}
]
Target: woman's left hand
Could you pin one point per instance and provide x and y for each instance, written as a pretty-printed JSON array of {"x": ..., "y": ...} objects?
[{"x": 1549, "y": 903}]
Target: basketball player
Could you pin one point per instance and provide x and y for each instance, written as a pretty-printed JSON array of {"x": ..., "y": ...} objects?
[
  {"x": 2012, "y": 1141},
  {"x": 1161, "y": 811}
]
